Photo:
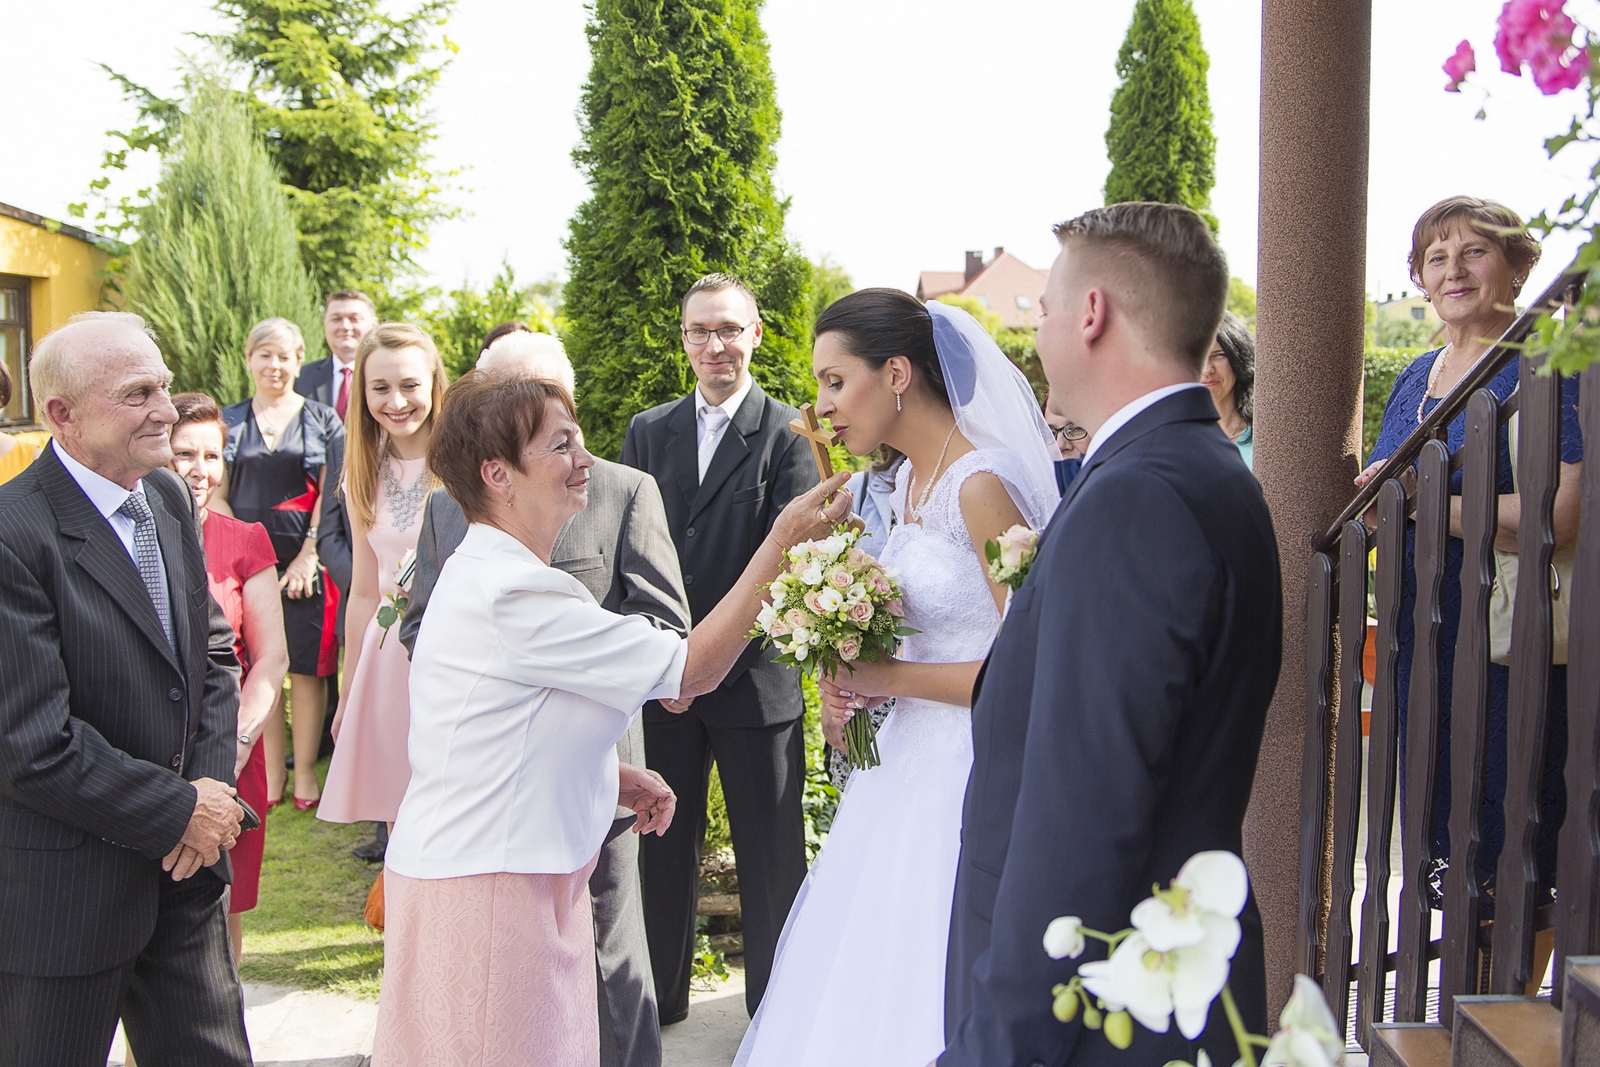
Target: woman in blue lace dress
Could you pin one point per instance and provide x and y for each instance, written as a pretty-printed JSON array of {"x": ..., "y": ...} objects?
[{"x": 1471, "y": 271}]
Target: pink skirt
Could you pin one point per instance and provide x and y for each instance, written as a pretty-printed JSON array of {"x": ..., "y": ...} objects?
[
  {"x": 371, "y": 768},
  {"x": 488, "y": 970}
]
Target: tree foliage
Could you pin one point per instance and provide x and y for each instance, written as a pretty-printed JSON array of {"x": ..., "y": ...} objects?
[
  {"x": 338, "y": 89},
  {"x": 1160, "y": 139},
  {"x": 678, "y": 119},
  {"x": 217, "y": 250},
  {"x": 459, "y": 321}
]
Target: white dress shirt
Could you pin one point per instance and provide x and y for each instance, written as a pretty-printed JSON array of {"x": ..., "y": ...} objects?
[
  {"x": 1126, "y": 414},
  {"x": 730, "y": 407},
  {"x": 107, "y": 497},
  {"x": 521, "y": 686}
]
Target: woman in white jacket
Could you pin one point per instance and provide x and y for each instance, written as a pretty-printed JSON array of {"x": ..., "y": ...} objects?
[{"x": 520, "y": 687}]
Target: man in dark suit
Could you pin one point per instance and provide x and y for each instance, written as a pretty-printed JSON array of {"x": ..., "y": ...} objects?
[
  {"x": 1106, "y": 754},
  {"x": 117, "y": 729},
  {"x": 347, "y": 315},
  {"x": 620, "y": 549},
  {"x": 727, "y": 463}
]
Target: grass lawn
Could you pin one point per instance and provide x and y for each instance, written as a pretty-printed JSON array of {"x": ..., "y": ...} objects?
[{"x": 307, "y": 930}]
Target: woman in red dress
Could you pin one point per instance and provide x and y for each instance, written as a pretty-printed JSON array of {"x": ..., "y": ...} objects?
[{"x": 242, "y": 566}]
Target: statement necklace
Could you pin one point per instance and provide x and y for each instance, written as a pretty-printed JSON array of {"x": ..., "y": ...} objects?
[
  {"x": 922, "y": 500},
  {"x": 403, "y": 503},
  {"x": 1433, "y": 379}
]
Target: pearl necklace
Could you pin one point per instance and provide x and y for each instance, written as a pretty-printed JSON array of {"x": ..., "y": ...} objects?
[
  {"x": 922, "y": 501},
  {"x": 1433, "y": 378},
  {"x": 403, "y": 503}
]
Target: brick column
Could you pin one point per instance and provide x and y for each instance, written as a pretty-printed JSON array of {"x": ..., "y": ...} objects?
[{"x": 1315, "y": 78}]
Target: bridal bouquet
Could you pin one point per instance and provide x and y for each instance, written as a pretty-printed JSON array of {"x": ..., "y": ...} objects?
[
  {"x": 834, "y": 604},
  {"x": 395, "y": 604}
]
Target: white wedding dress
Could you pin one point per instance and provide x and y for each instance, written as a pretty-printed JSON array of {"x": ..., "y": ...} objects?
[{"x": 859, "y": 976}]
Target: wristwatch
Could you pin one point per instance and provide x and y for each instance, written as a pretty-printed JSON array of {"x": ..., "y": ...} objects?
[{"x": 244, "y": 739}]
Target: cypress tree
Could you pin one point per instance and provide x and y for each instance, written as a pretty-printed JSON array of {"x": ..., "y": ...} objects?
[
  {"x": 1160, "y": 139},
  {"x": 679, "y": 119},
  {"x": 217, "y": 249}
]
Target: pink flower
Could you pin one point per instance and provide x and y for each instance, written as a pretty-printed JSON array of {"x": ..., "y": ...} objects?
[
  {"x": 1539, "y": 33},
  {"x": 880, "y": 584},
  {"x": 794, "y": 618},
  {"x": 778, "y": 629},
  {"x": 857, "y": 558},
  {"x": 896, "y": 608},
  {"x": 813, "y": 602},
  {"x": 849, "y": 648},
  {"x": 841, "y": 578},
  {"x": 1459, "y": 65},
  {"x": 1016, "y": 542},
  {"x": 861, "y": 612}
]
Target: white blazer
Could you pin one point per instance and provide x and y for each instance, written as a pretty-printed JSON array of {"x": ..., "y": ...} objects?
[{"x": 521, "y": 686}]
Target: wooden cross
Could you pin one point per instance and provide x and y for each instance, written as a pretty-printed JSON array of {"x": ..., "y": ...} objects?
[{"x": 808, "y": 427}]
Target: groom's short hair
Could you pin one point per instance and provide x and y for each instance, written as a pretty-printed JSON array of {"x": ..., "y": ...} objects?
[{"x": 1174, "y": 276}]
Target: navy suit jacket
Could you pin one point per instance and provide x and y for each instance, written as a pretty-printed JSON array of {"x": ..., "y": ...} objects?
[{"x": 1115, "y": 730}]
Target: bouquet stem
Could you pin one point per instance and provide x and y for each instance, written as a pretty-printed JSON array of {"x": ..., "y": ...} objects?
[{"x": 861, "y": 741}]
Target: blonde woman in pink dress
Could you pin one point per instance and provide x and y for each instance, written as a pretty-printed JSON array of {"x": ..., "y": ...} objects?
[{"x": 400, "y": 381}]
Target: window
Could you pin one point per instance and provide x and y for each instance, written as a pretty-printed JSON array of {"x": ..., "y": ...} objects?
[
  {"x": 14, "y": 346},
  {"x": 1023, "y": 303},
  {"x": 983, "y": 300},
  {"x": 1419, "y": 314}
]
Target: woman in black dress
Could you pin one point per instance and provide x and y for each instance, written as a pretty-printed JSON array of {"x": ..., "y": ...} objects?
[{"x": 278, "y": 443}]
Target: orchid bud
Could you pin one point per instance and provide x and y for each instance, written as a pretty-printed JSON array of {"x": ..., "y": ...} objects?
[
  {"x": 1091, "y": 1016},
  {"x": 1066, "y": 1004},
  {"x": 1119, "y": 1029}
]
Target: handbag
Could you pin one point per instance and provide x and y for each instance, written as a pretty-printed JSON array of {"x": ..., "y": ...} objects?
[
  {"x": 374, "y": 910},
  {"x": 1503, "y": 596}
]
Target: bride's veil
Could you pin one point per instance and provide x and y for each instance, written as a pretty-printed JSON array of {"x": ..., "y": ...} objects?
[{"x": 995, "y": 407}]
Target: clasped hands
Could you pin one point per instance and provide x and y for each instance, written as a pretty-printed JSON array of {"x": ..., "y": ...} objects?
[
  {"x": 847, "y": 693},
  {"x": 648, "y": 796},
  {"x": 213, "y": 829}
]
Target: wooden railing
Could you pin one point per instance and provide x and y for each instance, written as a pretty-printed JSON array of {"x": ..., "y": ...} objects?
[{"x": 1413, "y": 486}]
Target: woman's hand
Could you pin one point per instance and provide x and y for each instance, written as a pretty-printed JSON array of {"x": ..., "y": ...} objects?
[
  {"x": 300, "y": 579},
  {"x": 677, "y": 707},
  {"x": 338, "y": 715},
  {"x": 812, "y": 515},
  {"x": 839, "y": 706},
  {"x": 647, "y": 795},
  {"x": 243, "y": 756},
  {"x": 1367, "y": 475}
]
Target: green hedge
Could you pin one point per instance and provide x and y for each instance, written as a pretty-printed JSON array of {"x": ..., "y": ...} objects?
[{"x": 1382, "y": 366}]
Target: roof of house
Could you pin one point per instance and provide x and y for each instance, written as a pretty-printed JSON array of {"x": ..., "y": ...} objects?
[
  {"x": 23, "y": 215},
  {"x": 1005, "y": 285}
]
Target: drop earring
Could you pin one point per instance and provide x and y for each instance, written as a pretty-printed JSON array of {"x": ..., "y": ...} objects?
[{"x": 897, "y": 402}]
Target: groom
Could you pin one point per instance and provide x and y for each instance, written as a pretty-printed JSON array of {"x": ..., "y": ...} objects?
[{"x": 1104, "y": 760}]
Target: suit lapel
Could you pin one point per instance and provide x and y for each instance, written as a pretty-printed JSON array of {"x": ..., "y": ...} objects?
[
  {"x": 683, "y": 449},
  {"x": 732, "y": 450},
  {"x": 101, "y": 553}
]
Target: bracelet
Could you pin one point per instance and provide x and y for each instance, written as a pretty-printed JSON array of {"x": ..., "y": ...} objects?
[{"x": 311, "y": 534}]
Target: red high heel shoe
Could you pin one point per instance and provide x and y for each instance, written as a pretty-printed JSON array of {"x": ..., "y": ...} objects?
[
  {"x": 306, "y": 805},
  {"x": 274, "y": 803}
]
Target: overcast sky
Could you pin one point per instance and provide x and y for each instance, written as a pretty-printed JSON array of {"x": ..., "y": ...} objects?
[{"x": 906, "y": 139}]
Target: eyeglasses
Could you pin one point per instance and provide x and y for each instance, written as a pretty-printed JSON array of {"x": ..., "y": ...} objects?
[
  {"x": 726, "y": 334},
  {"x": 1070, "y": 432}
]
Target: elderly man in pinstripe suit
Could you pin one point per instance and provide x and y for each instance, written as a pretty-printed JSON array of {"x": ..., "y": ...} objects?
[{"x": 118, "y": 706}]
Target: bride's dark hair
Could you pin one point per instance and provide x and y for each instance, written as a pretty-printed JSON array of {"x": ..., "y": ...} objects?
[{"x": 878, "y": 324}]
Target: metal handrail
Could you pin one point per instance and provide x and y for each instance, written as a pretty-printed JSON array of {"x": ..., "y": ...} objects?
[{"x": 1491, "y": 363}]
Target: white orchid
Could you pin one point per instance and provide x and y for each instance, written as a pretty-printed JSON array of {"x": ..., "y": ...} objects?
[
  {"x": 830, "y": 600},
  {"x": 1176, "y": 960},
  {"x": 1210, "y": 883},
  {"x": 766, "y": 617},
  {"x": 812, "y": 575},
  {"x": 1308, "y": 1035},
  {"x": 1063, "y": 938},
  {"x": 831, "y": 548},
  {"x": 855, "y": 594}
]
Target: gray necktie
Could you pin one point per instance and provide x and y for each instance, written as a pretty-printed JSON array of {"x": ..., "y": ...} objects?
[
  {"x": 714, "y": 419},
  {"x": 148, "y": 556}
]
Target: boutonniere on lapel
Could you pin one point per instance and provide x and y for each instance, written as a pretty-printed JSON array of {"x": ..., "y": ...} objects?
[
  {"x": 1011, "y": 557},
  {"x": 394, "y": 608}
]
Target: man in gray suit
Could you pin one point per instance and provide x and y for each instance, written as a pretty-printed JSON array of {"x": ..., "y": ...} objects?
[{"x": 619, "y": 547}]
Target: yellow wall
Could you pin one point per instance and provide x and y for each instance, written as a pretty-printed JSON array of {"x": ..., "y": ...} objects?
[{"x": 65, "y": 271}]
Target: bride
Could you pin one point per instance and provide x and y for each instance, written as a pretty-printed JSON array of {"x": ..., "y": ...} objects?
[{"x": 859, "y": 976}]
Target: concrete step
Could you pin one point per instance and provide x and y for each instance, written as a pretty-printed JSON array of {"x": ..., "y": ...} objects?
[
  {"x": 1580, "y": 1013},
  {"x": 1409, "y": 1045},
  {"x": 1506, "y": 1031}
]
